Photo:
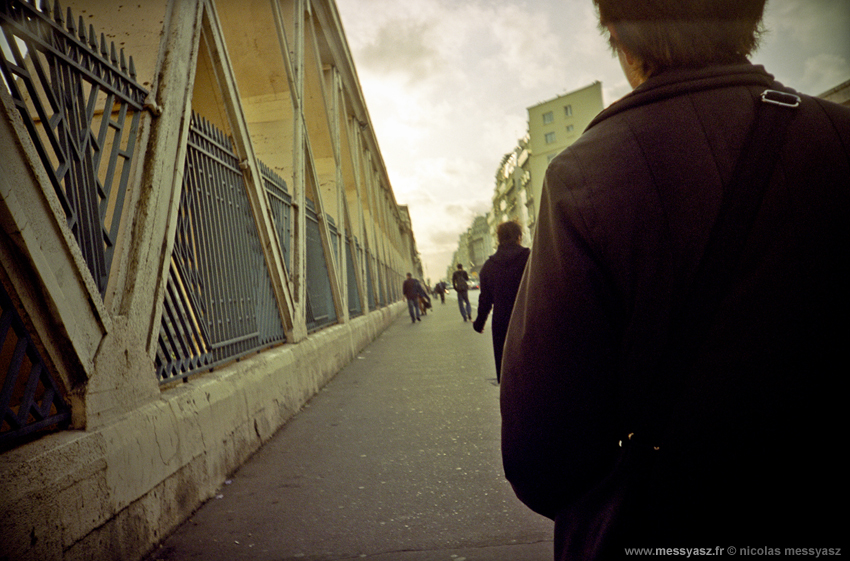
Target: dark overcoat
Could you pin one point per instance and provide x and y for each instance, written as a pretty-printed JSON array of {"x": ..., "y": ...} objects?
[
  {"x": 499, "y": 281},
  {"x": 752, "y": 447},
  {"x": 410, "y": 288}
]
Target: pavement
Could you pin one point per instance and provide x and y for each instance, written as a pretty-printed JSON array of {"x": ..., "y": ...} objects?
[{"x": 396, "y": 459}]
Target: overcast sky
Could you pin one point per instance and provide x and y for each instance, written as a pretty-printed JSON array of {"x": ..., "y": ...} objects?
[{"x": 447, "y": 84}]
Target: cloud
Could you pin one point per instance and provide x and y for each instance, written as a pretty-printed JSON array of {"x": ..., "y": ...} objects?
[
  {"x": 456, "y": 211},
  {"x": 513, "y": 45},
  {"x": 825, "y": 71},
  {"x": 402, "y": 47},
  {"x": 446, "y": 239},
  {"x": 815, "y": 25},
  {"x": 807, "y": 43}
]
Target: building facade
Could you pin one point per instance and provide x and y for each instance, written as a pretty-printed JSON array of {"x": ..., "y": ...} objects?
[
  {"x": 480, "y": 243},
  {"x": 198, "y": 232},
  {"x": 552, "y": 126},
  {"x": 838, "y": 94},
  {"x": 475, "y": 245},
  {"x": 512, "y": 196}
]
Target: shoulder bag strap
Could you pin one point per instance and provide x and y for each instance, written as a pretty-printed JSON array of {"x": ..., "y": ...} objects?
[{"x": 742, "y": 199}]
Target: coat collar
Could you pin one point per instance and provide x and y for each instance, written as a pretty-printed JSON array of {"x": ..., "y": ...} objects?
[{"x": 671, "y": 83}]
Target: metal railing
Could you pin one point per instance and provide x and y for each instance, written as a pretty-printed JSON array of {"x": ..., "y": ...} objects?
[
  {"x": 30, "y": 399},
  {"x": 370, "y": 285},
  {"x": 336, "y": 237},
  {"x": 354, "y": 306},
  {"x": 280, "y": 206},
  {"x": 320, "y": 304},
  {"x": 382, "y": 279},
  {"x": 81, "y": 105},
  {"x": 219, "y": 303}
]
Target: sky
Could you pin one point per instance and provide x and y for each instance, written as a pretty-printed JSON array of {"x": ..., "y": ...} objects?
[{"x": 447, "y": 84}]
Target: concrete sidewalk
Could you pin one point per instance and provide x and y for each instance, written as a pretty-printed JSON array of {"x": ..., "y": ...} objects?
[{"x": 396, "y": 459}]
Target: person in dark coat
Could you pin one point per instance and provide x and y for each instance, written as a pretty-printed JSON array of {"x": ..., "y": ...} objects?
[
  {"x": 440, "y": 289},
  {"x": 460, "y": 282},
  {"x": 411, "y": 290},
  {"x": 424, "y": 298},
  {"x": 751, "y": 451},
  {"x": 499, "y": 279}
]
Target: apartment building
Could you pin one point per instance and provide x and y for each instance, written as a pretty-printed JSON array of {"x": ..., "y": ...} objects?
[
  {"x": 511, "y": 197},
  {"x": 474, "y": 246},
  {"x": 552, "y": 126},
  {"x": 838, "y": 94}
]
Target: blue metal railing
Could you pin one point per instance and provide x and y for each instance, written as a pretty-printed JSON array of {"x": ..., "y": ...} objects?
[
  {"x": 81, "y": 105},
  {"x": 30, "y": 399},
  {"x": 219, "y": 303}
]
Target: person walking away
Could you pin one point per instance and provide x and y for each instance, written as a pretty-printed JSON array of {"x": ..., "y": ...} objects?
[
  {"x": 411, "y": 292},
  {"x": 730, "y": 421},
  {"x": 460, "y": 282},
  {"x": 440, "y": 290},
  {"x": 424, "y": 298},
  {"x": 499, "y": 279}
]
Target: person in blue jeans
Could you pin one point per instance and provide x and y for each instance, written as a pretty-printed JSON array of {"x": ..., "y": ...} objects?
[
  {"x": 460, "y": 280},
  {"x": 410, "y": 289}
]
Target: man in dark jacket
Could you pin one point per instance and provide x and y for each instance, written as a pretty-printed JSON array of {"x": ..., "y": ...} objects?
[
  {"x": 499, "y": 278},
  {"x": 410, "y": 288},
  {"x": 460, "y": 282},
  {"x": 440, "y": 289},
  {"x": 749, "y": 450}
]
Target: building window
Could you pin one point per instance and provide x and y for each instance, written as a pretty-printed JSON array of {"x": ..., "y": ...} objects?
[
  {"x": 570, "y": 128},
  {"x": 550, "y": 137},
  {"x": 548, "y": 117},
  {"x": 568, "y": 110}
]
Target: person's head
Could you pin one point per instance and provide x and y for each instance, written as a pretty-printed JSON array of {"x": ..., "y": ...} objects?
[
  {"x": 409, "y": 275},
  {"x": 459, "y": 266},
  {"x": 656, "y": 35},
  {"x": 509, "y": 233}
]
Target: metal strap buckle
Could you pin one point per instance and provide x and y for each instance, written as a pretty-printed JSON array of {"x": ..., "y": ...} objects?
[{"x": 783, "y": 99}]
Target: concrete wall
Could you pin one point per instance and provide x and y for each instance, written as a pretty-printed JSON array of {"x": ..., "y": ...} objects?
[{"x": 140, "y": 456}]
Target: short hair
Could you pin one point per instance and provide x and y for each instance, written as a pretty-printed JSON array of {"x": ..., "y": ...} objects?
[
  {"x": 409, "y": 275},
  {"x": 683, "y": 33},
  {"x": 508, "y": 232},
  {"x": 459, "y": 266}
]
